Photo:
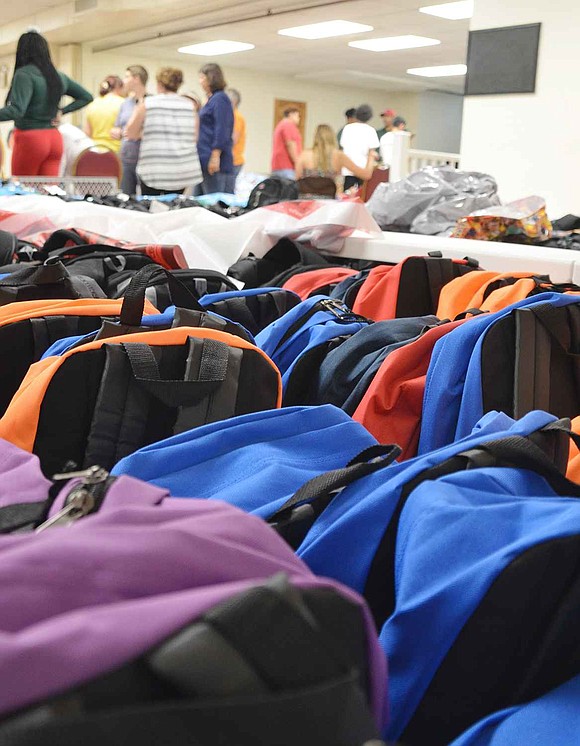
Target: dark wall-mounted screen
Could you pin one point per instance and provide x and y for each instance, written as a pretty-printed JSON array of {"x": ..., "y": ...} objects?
[{"x": 502, "y": 60}]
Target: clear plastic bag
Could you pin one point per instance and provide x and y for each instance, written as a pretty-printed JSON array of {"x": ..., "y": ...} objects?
[{"x": 524, "y": 220}]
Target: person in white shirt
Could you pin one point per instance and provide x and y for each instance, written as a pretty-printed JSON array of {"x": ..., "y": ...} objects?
[
  {"x": 388, "y": 141},
  {"x": 356, "y": 141}
]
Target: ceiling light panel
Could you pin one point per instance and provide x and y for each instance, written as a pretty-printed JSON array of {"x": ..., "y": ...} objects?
[
  {"x": 393, "y": 43},
  {"x": 439, "y": 71},
  {"x": 452, "y": 11},
  {"x": 213, "y": 48},
  {"x": 325, "y": 30}
]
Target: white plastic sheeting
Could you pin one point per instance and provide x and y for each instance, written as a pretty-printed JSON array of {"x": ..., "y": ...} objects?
[{"x": 208, "y": 241}]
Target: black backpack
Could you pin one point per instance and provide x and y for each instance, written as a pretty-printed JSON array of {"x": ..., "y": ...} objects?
[
  {"x": 284, "y": 259},
  {"x": 45, "y": 282},
  {"x": 271, "y": 191}
]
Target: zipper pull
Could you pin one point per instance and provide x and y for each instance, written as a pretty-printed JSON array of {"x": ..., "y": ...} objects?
[
  {"x": 92, "y": 475},
  {"x": 79, "y": 503}
]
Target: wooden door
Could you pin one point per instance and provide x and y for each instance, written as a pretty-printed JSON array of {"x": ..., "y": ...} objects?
[{"x": 280, "y": 105}]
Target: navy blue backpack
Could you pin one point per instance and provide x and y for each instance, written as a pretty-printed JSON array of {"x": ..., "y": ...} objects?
[
  {"x": 302, "y": 337},
  {"x": 347, "y": 370},
  {"x": 468, "y": 558}
]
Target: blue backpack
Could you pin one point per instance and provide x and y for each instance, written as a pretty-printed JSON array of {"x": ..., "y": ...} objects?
[
  {"x": 254, "y": 461},
  {"x": 453, "y": 401},
  {"x": 553, "y": 719},
  {"x": 468, "y": 559},
  {"x": 303, "y": 335}
]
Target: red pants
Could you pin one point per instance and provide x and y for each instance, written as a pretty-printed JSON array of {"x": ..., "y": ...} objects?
[{"x": 36, "y": 152}]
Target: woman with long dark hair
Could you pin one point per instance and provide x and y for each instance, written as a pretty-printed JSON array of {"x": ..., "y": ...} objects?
[{"x": 33, "y": 103}]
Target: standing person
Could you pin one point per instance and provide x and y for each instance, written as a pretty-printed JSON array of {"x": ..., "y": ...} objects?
[
  {"x": 326, "y": 160},
  {"x": 350, "y": 115},
  {"x": 216, "y": 125},
  {"x": 134, "y": 83},
  {"x": 102, "y": 113},
  {"x": 33, "y": 103},
  {"x": 388, "y": 141},
  {"x": 388, "y": 116},
  {"x": 357, "y": 140},
  {"x": 238, "y": 137},
  {"x": 287, "y": 144},
  {"x": 165, "y": 124}
]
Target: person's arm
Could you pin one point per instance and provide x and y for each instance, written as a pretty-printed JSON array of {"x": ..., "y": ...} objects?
[
  {"x": 20, "y": 96},
  {"x": 360, "y": 173},
  {"x": 222, "y": 131},
  {"x": 117, "y": 131},
  {"x": 237, "y": 131},
  {"x": 80, "y": 95},
  {"x": 292, "y": 148},
  {"x": 134, "y": 128},
  {"x": 88, "y": 128},
  {"x": 299, "y": 166}
]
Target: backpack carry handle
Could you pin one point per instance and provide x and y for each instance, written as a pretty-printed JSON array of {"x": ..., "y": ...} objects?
[
  {"x": 134, "y": 295},
  {"x": 49, "y": 273},
  {"x": 515, "y": 451},
  {"x": 295, "y": 517},
  {"x": 178, "y": 393},
  {"x": 88, "y": 248},
  {"x": 59, "y": 239}
]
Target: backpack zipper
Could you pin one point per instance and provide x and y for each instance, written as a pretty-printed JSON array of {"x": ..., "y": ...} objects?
[
  {"x": 336, "y": 307},
  {"x": 86, "y": 497}
]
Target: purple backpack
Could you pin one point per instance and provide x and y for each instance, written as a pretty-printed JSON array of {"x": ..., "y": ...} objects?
[{"x": 167, "y": 621}]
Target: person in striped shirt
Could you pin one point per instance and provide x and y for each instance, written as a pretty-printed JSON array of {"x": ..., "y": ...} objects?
[{"x": 166, "y": 124}]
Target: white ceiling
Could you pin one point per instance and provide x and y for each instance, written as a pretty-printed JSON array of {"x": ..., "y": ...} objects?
[
  {"x": 11, "y": 11},
  {"x": 158, "y": 27}
]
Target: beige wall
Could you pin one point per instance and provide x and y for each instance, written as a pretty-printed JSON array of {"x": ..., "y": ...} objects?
[{"x": 325, "y": 102}]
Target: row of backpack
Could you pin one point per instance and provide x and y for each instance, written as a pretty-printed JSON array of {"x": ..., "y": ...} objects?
[
  {"x": 129, "y": 616},
  {"x": 466, "y": 554}
]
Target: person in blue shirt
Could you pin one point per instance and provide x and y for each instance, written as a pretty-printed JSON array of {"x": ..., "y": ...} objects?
[{"x": 216, "y": 124}]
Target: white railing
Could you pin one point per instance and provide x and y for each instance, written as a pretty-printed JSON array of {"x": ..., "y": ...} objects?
[{"x": 407, "y": 160}]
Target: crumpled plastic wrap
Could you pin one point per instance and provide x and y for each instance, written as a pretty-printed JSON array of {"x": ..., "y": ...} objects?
[{"x": 430, "y": 201}]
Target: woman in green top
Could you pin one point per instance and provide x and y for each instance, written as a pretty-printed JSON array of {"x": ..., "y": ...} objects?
[{"x": 33, "y": 103}]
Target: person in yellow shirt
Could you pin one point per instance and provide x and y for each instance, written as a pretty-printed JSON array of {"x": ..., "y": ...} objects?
[
  {"x": 238, "y": 136},
  {"x": 101, "y": 115}
]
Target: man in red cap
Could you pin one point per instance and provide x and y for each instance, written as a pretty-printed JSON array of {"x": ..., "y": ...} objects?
[{"x": 387, "y": 116}]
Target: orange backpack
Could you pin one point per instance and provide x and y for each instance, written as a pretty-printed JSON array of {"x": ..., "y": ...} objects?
[
  {"x": 103, "y": 400},
  {"x": 493, "y": 291},
  {"x": 29, "y": 328}
]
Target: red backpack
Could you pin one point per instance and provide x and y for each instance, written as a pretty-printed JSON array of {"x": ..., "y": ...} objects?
[
  {"x": 317, "y": 281},
  {"x": 410, "y": 288}
]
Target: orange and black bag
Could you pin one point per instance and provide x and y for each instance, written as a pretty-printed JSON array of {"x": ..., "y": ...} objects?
[
  {"x": 103, "y": 400},
  {"x": 494, "y": 291}
]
